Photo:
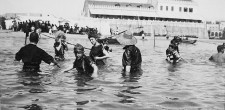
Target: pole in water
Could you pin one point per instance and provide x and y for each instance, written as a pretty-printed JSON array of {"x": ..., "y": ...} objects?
[
  {"x": 154, "y": 37},
  {"x": 153, "y": 33}
]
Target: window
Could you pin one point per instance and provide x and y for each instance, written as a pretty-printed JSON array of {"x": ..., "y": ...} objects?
[
  {"x": 166, "y": 8},
  {"x": 185, "y": 9},
  {"x": 180, "y": 9},
  {"x": 216, "y": 34},
  {"x": 220, "y": 34},
  {"x": 172, "y": 8},
  {"x": 161, "y": 7},
  {"x": 212, "y": 33},
  {"x": 191, "y": 10}
]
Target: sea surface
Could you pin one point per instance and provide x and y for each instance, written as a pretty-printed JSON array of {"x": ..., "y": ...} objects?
[{"x": 194, "y": 84}]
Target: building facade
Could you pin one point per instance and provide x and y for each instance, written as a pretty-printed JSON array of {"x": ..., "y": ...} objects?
[
  {"x": 180, "y": 16},
  {"x": 163, "y": 10}
]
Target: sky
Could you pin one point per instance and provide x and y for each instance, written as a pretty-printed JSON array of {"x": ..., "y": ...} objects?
[{"x": 208, "y": 9}]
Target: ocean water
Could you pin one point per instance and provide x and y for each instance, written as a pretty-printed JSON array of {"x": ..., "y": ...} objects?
[{"x": 194, "y": 84}]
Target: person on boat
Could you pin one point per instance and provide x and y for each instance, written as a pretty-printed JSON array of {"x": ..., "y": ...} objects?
[
  {"x": 83, "y": 64},
  {"x": 132, "y": 58},
  {"x": 220, "y": 56},
  {"x": 60, "y": 45},
  {"x": 31, "y": 55},
  {"x": 172, "y": 55},
  {"x": 97, "y": 52}
]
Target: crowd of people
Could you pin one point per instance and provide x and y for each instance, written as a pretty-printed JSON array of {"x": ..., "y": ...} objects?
[
  {"x": 31, "y": 55},
  {"x": 46, "y": 26}
]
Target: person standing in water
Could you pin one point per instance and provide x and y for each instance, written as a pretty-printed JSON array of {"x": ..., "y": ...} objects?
[
  {"x": 98, "y": 52},
  {"x": 132, "y": 58},
  {"x": 220, "y": 56},
  {"x": 31, "y": 55},
  {"x": 60, "y": 45},
  {"x": 83, "y": 64},
  {"x": 172, "y": 55}
]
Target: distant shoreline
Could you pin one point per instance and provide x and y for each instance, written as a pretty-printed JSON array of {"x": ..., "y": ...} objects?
[{"x": 211, "y": 41}]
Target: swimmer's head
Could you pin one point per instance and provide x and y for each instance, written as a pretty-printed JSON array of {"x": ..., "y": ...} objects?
[{"x": 220, "y": 48}]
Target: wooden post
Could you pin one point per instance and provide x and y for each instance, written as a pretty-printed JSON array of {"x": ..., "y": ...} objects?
[
  {"x": 153, "y": 33},
  {"x": 154, "y": 36}
]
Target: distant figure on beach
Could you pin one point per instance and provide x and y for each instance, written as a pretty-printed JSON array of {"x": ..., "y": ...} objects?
[
  {"x": 209, "y": 32},
  {"x": 83, "y": 64},
  {"x": 26, "y": 31},
  {"x": 60, "y": 45},
  {"x": 142, "y": 33},
  {"x": 131, "y": 59},
  {"x": 220, "y": 56},
  {"x": 31, "y": 55},
  {"x": 172, "y": 55},
  {"x": 98, "y": 52},
  {"x": 165, "y": 32}
]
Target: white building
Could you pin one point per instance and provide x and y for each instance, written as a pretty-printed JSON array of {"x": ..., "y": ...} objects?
[
  {"x": 180, "y": 16},
  {"x": 163, "y": 10}
]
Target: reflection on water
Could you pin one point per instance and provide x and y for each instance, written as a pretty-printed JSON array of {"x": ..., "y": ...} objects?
[{"x": 194, "y": 83}]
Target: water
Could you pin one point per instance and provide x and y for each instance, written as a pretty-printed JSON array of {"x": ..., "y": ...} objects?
[{"x": 194, "y": 84}]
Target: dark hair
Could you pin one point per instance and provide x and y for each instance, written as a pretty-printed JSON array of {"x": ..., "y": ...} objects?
[
  {"x": 220, "y": 48},
  {"x": 34, "y": 37},
  {"x": 78, "y": 48},
  {"x": 60, "y": 28},
  {"x": 90, "y": 35}
]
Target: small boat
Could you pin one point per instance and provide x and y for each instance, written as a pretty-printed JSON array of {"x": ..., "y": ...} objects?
[
  {"x": 189, "y": 39},
  {"x": 109, "y": 40}
]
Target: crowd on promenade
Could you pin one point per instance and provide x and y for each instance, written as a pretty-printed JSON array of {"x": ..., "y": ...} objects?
[{"x": 46, "y": 26}]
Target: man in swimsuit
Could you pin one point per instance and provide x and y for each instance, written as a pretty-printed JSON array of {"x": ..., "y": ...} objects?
[
  {"x": 218, "y": 57},
  {"x": 31, "y": 55}
]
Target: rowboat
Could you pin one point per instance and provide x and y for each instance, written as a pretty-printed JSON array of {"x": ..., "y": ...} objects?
[
  {"x": 108, "y": 40},
  {"x": 189, "y": 39}
]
